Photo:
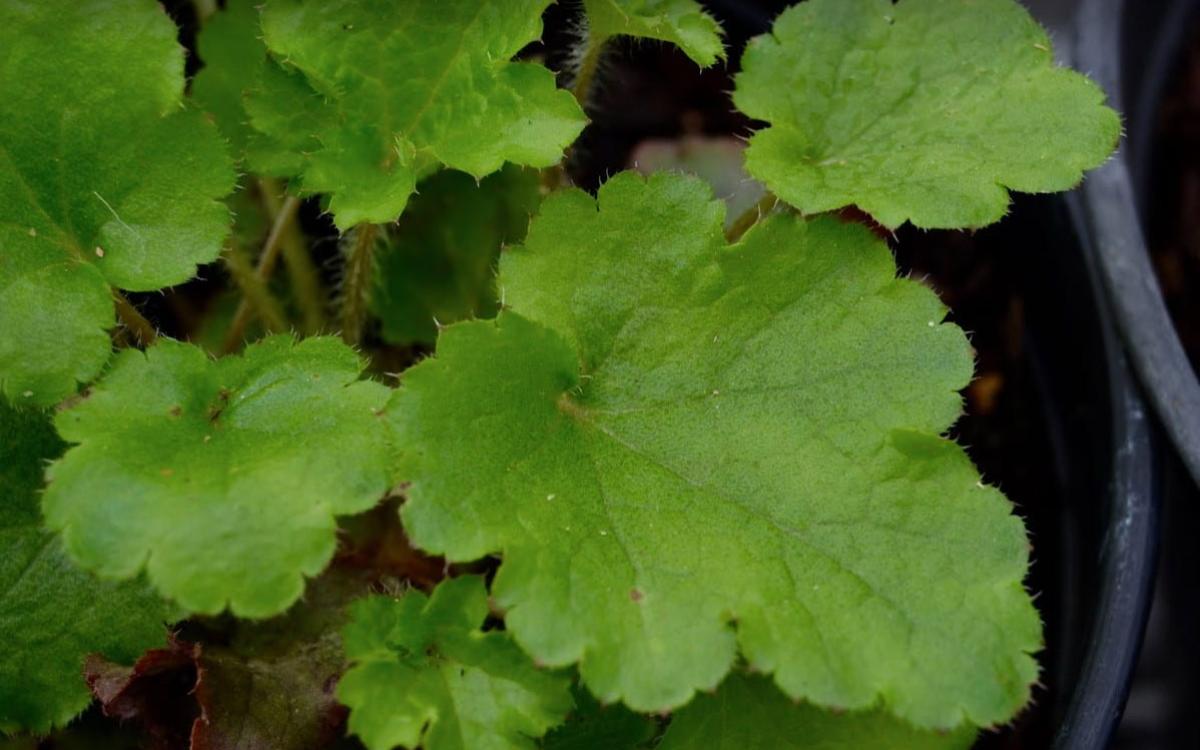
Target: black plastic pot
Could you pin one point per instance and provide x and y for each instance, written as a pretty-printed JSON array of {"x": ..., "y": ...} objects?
[
  {"x": 1095, "y": 526},
  {"x": 1130, "y": 48},
  {"x": 1134, "y": 50}
]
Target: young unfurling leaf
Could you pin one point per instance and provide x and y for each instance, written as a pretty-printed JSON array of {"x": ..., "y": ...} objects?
[
  {"x": 425, "y": 675},
  {"x": 684, "y": 449}
]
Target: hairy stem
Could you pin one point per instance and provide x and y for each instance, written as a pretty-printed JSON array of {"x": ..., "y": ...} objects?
[
  {"x": 254, "y": 290},
  {"x": 302, "y": 274},
  {"x": 134, "y": 321},
  {"x": 357, "y": 282},
  {"x": 266, "y": 264},
  {"x": 750, "y": 216},
  {"x": 589, "y": 65}
]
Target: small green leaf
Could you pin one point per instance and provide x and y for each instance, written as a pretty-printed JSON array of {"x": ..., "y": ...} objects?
[
  {"x": 107, "y": 183},
  {"x": 52, "y": 615},
  {"x": 684, "y": 447},
  {"x": 221, "y": 479},
  {"x": 683, "y": 23},
  {"x": 231, "y": 48},
  {"x": 406, "y": 88},
  {"x": 749, "y": 713},
  {"x": 921, "y": 111},
  {"x": 425, "y": 674},
  {"x": 439, "y": 263}
]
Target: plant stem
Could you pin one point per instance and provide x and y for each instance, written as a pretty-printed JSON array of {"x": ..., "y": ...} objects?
[
  {"x": 254, "y": 289},
  {"x": 750, "y": 216},
  {"x": 266, "y": 264},
  {"x": 589, "y": 64},
  {"x": 133, "y": 320},
  {"x": 302, "y": 274},
  {"x": 357, "y": 283},
  {"x": 552, "y": 178}
]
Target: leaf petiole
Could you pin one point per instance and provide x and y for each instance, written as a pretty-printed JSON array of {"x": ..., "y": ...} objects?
[
  {"x": 305, "y": 280},
  {"x": 266, "y": 264},
  {"x": 133, "y": 320},
  {"x": 750, "y": 217},
  {"x": 357, "y": 282}
]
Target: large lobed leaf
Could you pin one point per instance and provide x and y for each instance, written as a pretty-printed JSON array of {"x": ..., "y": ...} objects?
[
  {"x": 52, "y": 614},
  {"x": 921, "y": 111},
  {"x": 425, "y": 675},
  {"x": 222, "y": 479},
  {"x": 107, "y": 183},
  {"x": 397, "y": 89},
  {"x": 695, "y": 448}
]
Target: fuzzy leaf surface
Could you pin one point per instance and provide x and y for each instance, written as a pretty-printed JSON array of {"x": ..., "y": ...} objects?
[
  {"x": 438, "y": 264},
  {"x": 683, "y": 23},
  {"x": 107, "y": 182},
  {"x": 222, "y": 479},
  {"x": 682, "y": 447},
  {"x": 408, "y": 87},
  {"x": 52, "y": 615},
  {"x": 924, "y": 110},
  {"x": 424, "y": 674},
  {"x": 749, "y": 713}
]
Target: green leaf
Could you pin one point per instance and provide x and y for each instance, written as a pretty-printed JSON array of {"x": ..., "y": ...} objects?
[
  {"x": 921, "y": 111},
  {"x": 406, "y": 88},
  {"x": 438, "y": 265},
  {"x": 107, "y": 183},
  {"x": 231, "y": 47},
  {"x": 684, "y": 447},
  {"x": 221, "y": 479},
  {"x": 680, "y": 22},
  {"x": 592, "y": 726},
  {"x": 286, "y": 115},
  {"x": 749, "y": 713},
  {"x": 52, "y": 614},
  {"x": 425, "y": 674}
]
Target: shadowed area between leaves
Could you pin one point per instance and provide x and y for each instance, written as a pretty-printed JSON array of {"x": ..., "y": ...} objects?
[{"x": 228, "y": 685}]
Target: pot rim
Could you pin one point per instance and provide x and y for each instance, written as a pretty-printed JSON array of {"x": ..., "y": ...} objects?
[{"x": 1107, "y": 214}]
